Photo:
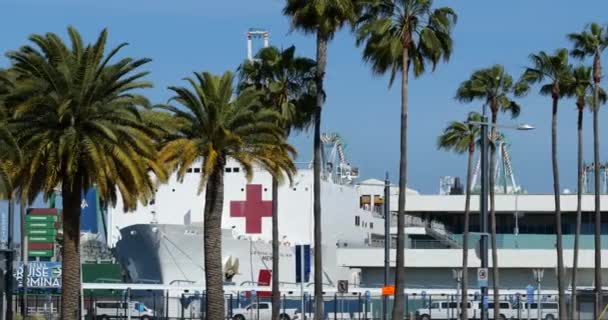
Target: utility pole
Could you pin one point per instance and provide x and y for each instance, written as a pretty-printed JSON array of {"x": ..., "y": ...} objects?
[{"x": 387, "y": 241}]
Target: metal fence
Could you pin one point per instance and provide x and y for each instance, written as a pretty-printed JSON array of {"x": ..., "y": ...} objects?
[{"x": 248, "y": 305}]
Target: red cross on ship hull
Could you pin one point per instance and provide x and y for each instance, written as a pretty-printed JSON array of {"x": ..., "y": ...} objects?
[{"x": 253, "y": 209}]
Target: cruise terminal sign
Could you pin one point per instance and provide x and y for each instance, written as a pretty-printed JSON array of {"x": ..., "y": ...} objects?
[{"x": 39, "y": 274}]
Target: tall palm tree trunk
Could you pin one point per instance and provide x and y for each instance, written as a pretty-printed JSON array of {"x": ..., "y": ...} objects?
[
  {"x": 214, "y": 202},
  {"x": 579, "y": 198},
  {"x": 465, "y": 237},
  {"x": 70, "y": 297},
  {"x": 597, "y": 75},
  {"x": 399, "y": 303},
  {"x": 558, "y": 214},
  {"x": 276, "y": 294},
  {"x": 321, "y": 63},
  {"x": 495, "y": 276}
]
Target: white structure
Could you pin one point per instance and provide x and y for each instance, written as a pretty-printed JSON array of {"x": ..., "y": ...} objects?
[
  {"x": 255, "y": 33},
  {"x": 162, "y": 242}
]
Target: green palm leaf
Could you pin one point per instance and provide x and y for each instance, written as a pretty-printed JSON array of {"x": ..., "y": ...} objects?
[{"x": 77, "y": 120}]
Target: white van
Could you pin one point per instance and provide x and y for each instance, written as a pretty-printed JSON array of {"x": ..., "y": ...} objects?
[
  {"x": 549, "y": 310},
  {"x": 449, "y": 310},
  {"x": 105, "y": 310},
  {"x": 442, "y": 310}
]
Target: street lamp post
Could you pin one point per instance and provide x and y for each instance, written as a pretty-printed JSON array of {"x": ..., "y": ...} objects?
[
  {"x": 538, "y": 276},
  {"x": 483, "y": 199},
  {"x": 387, "y": 241},
  {"x": 483, "y": 210},
  {"x": 457, "y": 274}
]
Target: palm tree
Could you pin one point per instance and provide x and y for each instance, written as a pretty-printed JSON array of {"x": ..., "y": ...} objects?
[
  {"x": 579, "y": 88},
  {"x": 397, "y": 34},
  {"x": 494, "y": 87},
  {"x": 591, "y": 43},
  {"x": 556, "y": 70},
  {"x": 322, "y": 18},
  {"x": 461, "y": 137},
  {"x": 10, "y": 153},
  {"x": 80, "y": 128},
  {"x": 217, "y": 126},
  {"x": 286, "y": 81}
]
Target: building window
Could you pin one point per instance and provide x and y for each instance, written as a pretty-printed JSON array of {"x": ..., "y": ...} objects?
[
  {"x": 236, "y": 169},
  {"x": 364, "y": 201},
  {"x": 371, "y": 225},
  {"x": 228, "y": 169},
  {"x": 357, "y": 220},
  {"x": 197, "y": 170}
]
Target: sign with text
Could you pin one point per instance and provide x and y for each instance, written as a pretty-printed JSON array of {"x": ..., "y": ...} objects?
[{"x": 39, "y": 274}]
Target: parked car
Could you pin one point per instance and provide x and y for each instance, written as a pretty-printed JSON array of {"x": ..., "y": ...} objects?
[
  {"x": 262, "y": 311},
  {"x": 105, "y": 310}
]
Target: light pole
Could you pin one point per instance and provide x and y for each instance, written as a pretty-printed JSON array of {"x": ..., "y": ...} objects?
[
  {"x": 387, "y": 237},
  {"x": 457, "y": 274},
  {"x": 538, "y": 276},
  {"x": 483, "y": 210},
  {"x": 483, "y": 199},
  {"x": 387, "y": 241}
]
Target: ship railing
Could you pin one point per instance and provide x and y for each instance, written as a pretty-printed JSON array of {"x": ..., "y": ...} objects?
[{"x": 411, "y": 244}]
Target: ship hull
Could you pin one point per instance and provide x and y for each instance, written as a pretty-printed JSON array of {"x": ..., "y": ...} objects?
[{"x": 173, "y": 254}]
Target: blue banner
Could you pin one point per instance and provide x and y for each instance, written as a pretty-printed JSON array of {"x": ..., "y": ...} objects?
[
  {"x": 299, "y": 263},
  {"x": 88, "y": 213},
  {"x": 39, "y": 274}
]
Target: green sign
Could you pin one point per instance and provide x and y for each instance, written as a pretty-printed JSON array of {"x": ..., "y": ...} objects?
[
  {"x": 40, "y": 218},
  {"x": 41, "y": 232},
  {"x": 34, "y": 238},
  {"x": 40, "y": 253},
  {"x": 40, "y": 225}
]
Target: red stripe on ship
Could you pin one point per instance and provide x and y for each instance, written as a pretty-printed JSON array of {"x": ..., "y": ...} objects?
[{"x": 40, "y": 246}]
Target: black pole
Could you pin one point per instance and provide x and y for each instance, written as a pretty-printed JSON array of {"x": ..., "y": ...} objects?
[
  {"x": 9, "y": 258},
  {"x": 387, "y": 241},
  {"x": 24, "y": 257},
  {"x": 483, "y": 208}
]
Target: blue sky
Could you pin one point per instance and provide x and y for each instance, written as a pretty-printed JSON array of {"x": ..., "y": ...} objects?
[{"x": 195, "y": 35}]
